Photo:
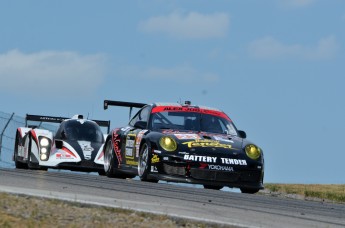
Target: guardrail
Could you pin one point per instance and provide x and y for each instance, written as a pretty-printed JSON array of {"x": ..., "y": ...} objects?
[{"x": 8, "y": 126}]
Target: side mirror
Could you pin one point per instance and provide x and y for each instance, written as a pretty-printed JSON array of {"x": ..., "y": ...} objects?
[
  {"x": 140, "y": 124},
  {"x": 242, "y": 134},
  {"x": 58, "y": 144}
]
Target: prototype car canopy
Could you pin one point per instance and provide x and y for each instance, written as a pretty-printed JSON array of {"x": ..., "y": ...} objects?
[{"x": 80, "y": 130}]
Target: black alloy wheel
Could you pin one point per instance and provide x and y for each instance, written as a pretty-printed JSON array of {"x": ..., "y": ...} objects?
[{"x": 144, "y": 164}]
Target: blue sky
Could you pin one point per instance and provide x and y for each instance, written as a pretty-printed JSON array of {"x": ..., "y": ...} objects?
[{"x": 276, "y": 67}]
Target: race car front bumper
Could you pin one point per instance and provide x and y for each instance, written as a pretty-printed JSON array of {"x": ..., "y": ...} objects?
[
  {"x": 249, "y": 177},
  {"x": 84, "y": 165}
]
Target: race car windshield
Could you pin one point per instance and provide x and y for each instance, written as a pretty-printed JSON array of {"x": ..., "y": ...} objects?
[
  {"x": 192, "y": 121},
  {"x": 87, "y": 131}
]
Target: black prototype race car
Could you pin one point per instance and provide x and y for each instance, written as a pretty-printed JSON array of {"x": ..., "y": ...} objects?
[{"x": 183, "y": 143}]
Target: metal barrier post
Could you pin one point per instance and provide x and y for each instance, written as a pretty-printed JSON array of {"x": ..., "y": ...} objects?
[{"x": 3, "y": 131}]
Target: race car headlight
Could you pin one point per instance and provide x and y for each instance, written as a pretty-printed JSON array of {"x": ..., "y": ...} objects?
[
  {"x": 45, "y": 146},
  {"x": 168, "y": 143},
  {"x": 44, "y": 142},
  {"x": 44, "y": 157},
  {"x": 253, "y": 151}
]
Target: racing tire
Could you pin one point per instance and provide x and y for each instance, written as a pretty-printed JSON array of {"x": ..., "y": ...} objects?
[
  {"x": 214, "y": 187},
  {"x": 109, "y": 160},
  {"x": 249, "y": 190},
  {"x": 101, "y": 173},
  {"x": 144, "y": 164},
  {"x": 110, "y": 164},
  {"x": 32, "y": 165},
  {"x": 18, "y": 164}
]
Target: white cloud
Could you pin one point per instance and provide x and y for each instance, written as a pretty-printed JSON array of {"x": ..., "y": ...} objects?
[
  {"x": 179, "y": 74},
  {"x": 296, "y": 3},
  {"x": 270, "y": 48},
  {"x": 191, "y": 26},
  {"x": 47, "y": 72}
]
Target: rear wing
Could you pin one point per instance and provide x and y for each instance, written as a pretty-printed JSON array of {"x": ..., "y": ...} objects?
[
  {"x": 103, "y": 123},
  {"x": 55, "y": 119},
  {"x": 48, "y": 119},
  {"x": 123, "y": 104},
  {"x": 131, "y": 105}
]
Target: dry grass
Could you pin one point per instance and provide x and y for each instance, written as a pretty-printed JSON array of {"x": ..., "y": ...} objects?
[
  {"x": 28, "y": 212},
  {"x": 332, "y": 192}
]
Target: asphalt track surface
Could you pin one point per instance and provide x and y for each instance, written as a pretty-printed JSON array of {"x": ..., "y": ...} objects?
[{"x": 223, "y": 207}]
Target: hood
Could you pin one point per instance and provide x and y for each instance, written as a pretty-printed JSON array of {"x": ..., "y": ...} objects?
[{"x": 202, "y": 141}]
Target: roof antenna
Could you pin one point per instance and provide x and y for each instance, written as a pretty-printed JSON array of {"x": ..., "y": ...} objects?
[
  {"x": 180, "y": 101},
  {"x": 87, "y": 116}
]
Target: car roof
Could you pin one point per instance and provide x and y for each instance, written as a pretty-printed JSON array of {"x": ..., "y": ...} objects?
[
  {"x": 80, "y": 121},
  {"x": 158, "y": 104}
]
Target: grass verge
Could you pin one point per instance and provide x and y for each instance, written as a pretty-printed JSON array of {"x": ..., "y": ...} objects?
[
  {"x": 19, "y": 211},
  {"x": 332, "y": 192}
]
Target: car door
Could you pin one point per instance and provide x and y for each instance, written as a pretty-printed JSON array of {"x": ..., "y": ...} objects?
[{"x": 133, "y": 136}]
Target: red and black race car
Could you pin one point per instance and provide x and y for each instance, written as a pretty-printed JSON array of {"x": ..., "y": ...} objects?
[{"x": 183, "y": 143}]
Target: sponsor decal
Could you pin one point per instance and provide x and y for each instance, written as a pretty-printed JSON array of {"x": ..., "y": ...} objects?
[
  {"x": 169, "y": 131},
  {"x": 154, "y": 169},
  {"x": 197, "y": 158},
  {"x": 116, "y": 145},
  {"x": 206, "y": 143},
  {"x": 129, "y": 152},
  {"x": 130, "y": 139},
  {"x": 63, "y": 156},
  {"x": 47, "y": 118},
  {"x": 67, "y": 151},
  {"x": 138, "y": 141},
  {"x": 206, "y": 110},
  {"x": 210, "y": 159},
  {"x": 87, "y": 149},
  {"x": 165, "y": 159},
  {"x": 187, "y": 136},
  {"x": 221, "y": 168},
  {"x": 155, "y": 159},
  {"x": 171, "y": 108},
  {"x": 157, "y": 151},
  {"x": 131, "y": 162},
  {"x": 129, "y": 143},
  {"x": 230, "y": 161}
]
